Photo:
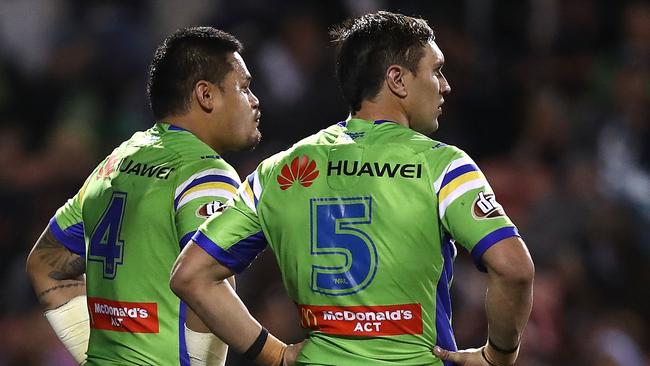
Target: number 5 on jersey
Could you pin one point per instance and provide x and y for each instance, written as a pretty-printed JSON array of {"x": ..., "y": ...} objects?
[
  {"x": 345, "y": 256},
  {"x": 105, "y": 243}
]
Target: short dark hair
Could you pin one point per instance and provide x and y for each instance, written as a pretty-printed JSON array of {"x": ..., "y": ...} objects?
[
  {"x": 367, "y": 45},
  {"x": 185, "y": 57}
]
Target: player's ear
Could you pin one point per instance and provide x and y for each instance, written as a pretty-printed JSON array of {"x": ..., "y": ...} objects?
[
  {"x": 205, "y": 94},
  {"x": 395, "y": 80}
]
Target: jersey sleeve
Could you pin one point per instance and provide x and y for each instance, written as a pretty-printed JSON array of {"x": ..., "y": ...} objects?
[
  {"x": 468, "y": 208},
  {"x": 202, "y": 194},
  {"x": 67, "y": 223},
  {"x": 68, "y": 227},
  {"x": 235, "y": 237}
]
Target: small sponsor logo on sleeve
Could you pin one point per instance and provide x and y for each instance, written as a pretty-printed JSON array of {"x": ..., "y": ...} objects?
[
  {"x": 121, "y": 316},
  {"x": 363, "y": 321},
  {"x": 486, "y": 206},
  {"x": 210, "y": 209}
]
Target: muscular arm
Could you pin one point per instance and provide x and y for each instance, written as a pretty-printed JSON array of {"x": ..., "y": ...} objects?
[
  {"x": 55, "y": 272},
  {"x": 57, "y": 277},
  {"x": 508, "y": 302},
  {"x": 510, "y": 291},
  {"x": 198, "y": 280}
]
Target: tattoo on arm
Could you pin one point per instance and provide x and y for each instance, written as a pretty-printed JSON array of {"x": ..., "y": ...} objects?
[
  {"x": 59, "y": 287},
  {"x": 64, "y": 264}
]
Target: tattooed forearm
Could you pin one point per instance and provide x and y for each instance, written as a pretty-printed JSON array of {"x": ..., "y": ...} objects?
[
  {"x": 55, "y": 272},
  {"x": 59, "y": 287},
  {"x": 63, "y": 263}
]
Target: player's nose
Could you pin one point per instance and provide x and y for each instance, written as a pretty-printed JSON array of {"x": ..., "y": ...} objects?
[
  {"x": 254, "y": 100},
  {"x": 445, "y": 88}
]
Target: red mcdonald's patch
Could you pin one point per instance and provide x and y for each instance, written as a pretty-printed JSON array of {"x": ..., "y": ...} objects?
[
  {"x": 121, "y": 316},
  {"x": 384, "y": 320}
]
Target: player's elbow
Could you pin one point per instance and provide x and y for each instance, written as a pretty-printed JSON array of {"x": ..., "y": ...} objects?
[
  {"x": 181, "y": 280},
  {"x": 521, "y": 273},
  {"x": 196, "y": 272}
]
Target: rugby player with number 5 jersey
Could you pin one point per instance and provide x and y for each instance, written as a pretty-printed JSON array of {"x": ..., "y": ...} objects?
[{"x": 364, "y": 219}]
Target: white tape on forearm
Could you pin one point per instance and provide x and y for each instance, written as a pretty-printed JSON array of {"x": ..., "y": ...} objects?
[
  {"x": 71, "y": 324},
  {"x": 205, "y": 349}
]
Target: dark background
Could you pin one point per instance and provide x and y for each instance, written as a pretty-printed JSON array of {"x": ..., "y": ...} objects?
[{"x": 550, "y": 98}]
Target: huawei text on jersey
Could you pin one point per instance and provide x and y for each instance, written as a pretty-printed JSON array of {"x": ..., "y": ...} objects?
[
  {"x": 142, "y": 169},
  {"x": 374, "y": 169}
]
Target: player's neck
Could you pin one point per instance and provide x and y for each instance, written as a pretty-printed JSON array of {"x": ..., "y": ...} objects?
[
  {"x": 197, "y": 126},
  {"x": 371, "y": 111},
  {"x": 184, "y": 121}
]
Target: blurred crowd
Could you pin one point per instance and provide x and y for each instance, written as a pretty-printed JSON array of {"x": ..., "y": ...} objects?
[{"x": 550, "y": 97}]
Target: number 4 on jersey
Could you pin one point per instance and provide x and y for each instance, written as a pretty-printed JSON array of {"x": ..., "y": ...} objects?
[
  {"x": 346, "y": 256},
  {"x": 105, "y": 244}
]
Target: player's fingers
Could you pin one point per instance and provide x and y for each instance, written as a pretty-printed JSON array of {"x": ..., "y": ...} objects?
[
  {"x": 291, "y": 353},
  {"x": 445, "y": 355}
]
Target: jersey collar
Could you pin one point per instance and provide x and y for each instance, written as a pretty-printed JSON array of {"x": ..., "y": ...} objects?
[{"x": 376, "y": 122}]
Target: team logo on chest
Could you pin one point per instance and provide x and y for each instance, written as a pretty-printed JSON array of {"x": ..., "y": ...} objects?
[{"x": 301, "y": 169}]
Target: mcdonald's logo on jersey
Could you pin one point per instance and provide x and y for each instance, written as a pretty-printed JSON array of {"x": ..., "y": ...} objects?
[
  {"x": 301, "y": 169},
  {"x": 363, "y": 320},
  {"x": 308, "y": 319},
  {"x": 122, "y": 316}
]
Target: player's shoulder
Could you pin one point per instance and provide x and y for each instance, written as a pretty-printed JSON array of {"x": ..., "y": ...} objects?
[
  {"x": 442, "y": 158},
  {"x": 189, "y": 154},
  {"x": 207, "y": 168},
  {"x": 444, "y": 152},
  {"x": 306, "y": 146},
  {"x": 433, "y": 150},
  {"x": 395, "y": 136},
  {"x": 189, "y": 148}
]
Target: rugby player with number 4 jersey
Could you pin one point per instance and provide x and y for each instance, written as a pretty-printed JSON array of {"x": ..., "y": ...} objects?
[
  {"x": 141, "y": 205},
  {"x": 364, "y": 218}
]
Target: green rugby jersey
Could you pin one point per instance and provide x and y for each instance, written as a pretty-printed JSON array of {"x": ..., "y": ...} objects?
[
  {"x": 363, "y": 218},
  {"x": 130, "y": 220}
]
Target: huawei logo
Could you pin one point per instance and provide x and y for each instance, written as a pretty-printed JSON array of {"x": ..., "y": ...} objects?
[
  {"x": 108, "y": 167},
  {"x": 302, "y": 170}
]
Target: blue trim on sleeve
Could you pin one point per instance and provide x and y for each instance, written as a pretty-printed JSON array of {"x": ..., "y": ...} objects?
[
  {"x": 488, "y": 241},
  {"x": 457, "y": 173},
  {"x": 342, "y": 124},
  {"x": 72, "y": 237},
  {"x": 444, "y": 332},
  {"x": 186, "y": 239},
  {"x": 184, "y": 357},
  {"x": 239, "y": 256}
]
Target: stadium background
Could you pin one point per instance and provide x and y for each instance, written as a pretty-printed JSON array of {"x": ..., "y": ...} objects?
[{"x": 550, "y": 97}]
